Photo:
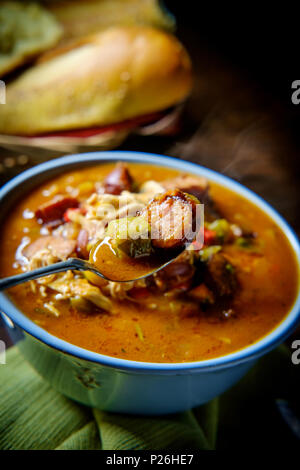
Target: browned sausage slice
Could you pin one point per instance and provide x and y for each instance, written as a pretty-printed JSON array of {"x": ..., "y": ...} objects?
[
  {"x": 177, "y": 275},
  {"x": 118, "y": 180},
  {"x": 59, "y": 247},
  {"x": 172, "y": 217},
  {"x": 198, "y": 187},
  {"x": 82, "y": 241},
  {"x": 54, "y": 210}
]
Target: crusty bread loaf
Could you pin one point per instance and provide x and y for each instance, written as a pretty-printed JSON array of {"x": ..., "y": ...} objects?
[
  {"x": 81, "y": 18},
  {"x": 118, "y": 74},
  {"x": 26, "y": 30}
]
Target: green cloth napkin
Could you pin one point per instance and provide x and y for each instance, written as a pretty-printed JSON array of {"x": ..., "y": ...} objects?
[{"x": 34, "y": 416}]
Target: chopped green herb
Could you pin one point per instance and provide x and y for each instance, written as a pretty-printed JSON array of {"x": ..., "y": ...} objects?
[
  {"x": 221, "y": 227},
  {"x": 243, "y": 242},
  {"x": 136, "y": 248},
  {"x": 207, "y": 253},
  {"x": 139, "y": 331},
  {"x": 230, "y": 268},
  {"x": 40, "y": 310}
]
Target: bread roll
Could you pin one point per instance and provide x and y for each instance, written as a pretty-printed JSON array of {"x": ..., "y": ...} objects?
[
  {"x": 80, "y": 18},
  {"x": 26, "y": 30},
  {"x": 115, "y": 75}
]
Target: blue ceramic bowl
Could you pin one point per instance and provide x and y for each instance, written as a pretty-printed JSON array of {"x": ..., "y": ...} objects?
[{"x": 119, "y": 385}]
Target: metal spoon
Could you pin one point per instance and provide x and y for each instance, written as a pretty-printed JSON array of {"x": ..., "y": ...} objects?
[
  {"x": 76, "y": 264},
  {"x": 70, "y": 264}
]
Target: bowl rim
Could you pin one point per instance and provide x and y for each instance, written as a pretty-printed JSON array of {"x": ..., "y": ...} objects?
[{"x": 251, "y": 352}]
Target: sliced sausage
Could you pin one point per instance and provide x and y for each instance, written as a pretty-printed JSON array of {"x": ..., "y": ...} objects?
[
  {"x": 172, "y": 217},
  {"x": 59, "y": 247},
  {"x": 118, "y": 180},
  {"x": 81, "y": 246},
  {"x": 177, "y": 275},
  {"x": 198, "y": 187},
  {"x": 54, "y": 210}
]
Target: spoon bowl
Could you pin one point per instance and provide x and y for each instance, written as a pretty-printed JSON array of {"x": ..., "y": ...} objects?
[
  {"x": 77, "y": 264},
  {"x": 104, "y": 256}
]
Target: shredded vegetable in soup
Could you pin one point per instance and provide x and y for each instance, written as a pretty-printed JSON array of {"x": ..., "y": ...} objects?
[{"x": 218, "y": 297}]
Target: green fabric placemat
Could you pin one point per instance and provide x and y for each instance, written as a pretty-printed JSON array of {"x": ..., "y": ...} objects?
[{"x": 35, "y": 416}]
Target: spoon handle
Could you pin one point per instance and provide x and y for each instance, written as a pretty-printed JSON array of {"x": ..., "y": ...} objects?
[{"x": 11, "y": 281}]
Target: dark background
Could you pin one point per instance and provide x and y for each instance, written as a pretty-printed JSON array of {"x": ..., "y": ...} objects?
[{"x": 261, "y": 39}]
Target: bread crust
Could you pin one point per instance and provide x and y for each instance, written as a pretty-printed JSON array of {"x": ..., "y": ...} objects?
[{"x": 117, "y": 74}]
